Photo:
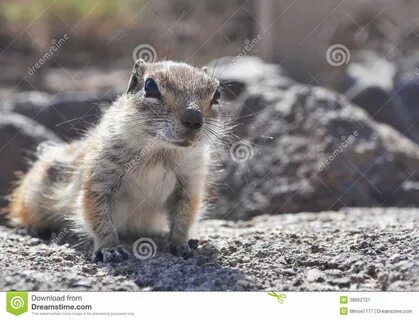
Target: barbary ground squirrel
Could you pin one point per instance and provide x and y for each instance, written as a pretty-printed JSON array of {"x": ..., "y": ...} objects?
[{"x": 144, "y": 167}]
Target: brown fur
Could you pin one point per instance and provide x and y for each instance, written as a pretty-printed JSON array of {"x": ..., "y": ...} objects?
[
  {"x": 20, "y": 211},
  {"x": 87, "y": 182},
  {"x": 90, "y": 204},
  {"x": 193, "y": 209}
]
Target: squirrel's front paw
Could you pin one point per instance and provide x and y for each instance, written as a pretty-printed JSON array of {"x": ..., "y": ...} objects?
[
  {"x": 183, "y": 250},
  {"x": 106, "y": 255}
]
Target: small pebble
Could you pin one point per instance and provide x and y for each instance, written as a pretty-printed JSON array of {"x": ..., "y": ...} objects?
[{"x": 315, "y": 275}]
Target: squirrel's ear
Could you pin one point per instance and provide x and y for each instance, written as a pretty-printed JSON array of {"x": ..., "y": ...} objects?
[
  {"x": 205, "y": 69},
  {"x": 137, "y": 78}
]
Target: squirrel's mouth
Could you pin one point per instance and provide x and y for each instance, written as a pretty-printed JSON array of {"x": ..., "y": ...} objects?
[
  {"x": 176, "y": 142},
  {"x": 184, "y": 140},
  {"x": 181, "y": 143}
]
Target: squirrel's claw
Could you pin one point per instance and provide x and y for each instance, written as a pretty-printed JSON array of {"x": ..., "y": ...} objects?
[
  {"x": 106, "y": 255},
  {"x": 183, "y": 250}
]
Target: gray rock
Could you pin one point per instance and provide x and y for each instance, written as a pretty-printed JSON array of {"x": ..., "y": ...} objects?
[
  {"x": 19, "y": 138},
  {"x": 303, "y": 148},
  {"x": 67, "y": 114}
]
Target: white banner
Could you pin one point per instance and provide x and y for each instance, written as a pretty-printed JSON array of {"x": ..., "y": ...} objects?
[{"x": 209, "y": 305}]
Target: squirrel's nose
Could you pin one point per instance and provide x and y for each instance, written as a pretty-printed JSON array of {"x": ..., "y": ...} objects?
[{"x": 191, "y": 119}]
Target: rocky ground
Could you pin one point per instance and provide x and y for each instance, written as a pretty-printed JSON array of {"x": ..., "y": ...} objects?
[
  {"x": 352, "y": 249},
  {"x": 297, "y": 148}
]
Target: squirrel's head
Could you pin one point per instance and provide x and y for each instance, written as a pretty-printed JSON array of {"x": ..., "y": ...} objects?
[{"x": 177, "y": 102}]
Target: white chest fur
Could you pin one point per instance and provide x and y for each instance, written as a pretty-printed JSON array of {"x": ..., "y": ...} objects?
[{"x": 141, "y": 201}]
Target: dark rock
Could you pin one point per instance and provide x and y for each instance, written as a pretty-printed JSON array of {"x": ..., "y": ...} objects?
[
  {"x": 309, "y": 149},
  {"x": 19, "y": 138},
  {"x": 372, "y": 270},
  {"x": 67, "y": 114},
  {"x": 386, "y": 90},
  {"x": 315, "y": 249},
  {"x": 341, "y": 283}
]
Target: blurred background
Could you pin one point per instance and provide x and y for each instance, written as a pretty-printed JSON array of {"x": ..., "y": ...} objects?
[
  {"x": 62, "y": 61},
  {"x": 98, "y": 37},
  {"x": 325, "y": 98}
]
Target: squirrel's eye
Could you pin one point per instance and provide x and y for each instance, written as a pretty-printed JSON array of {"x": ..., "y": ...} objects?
[
  {"x": 151, "y": 89},
  {"x": 216, "y": 97}
]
